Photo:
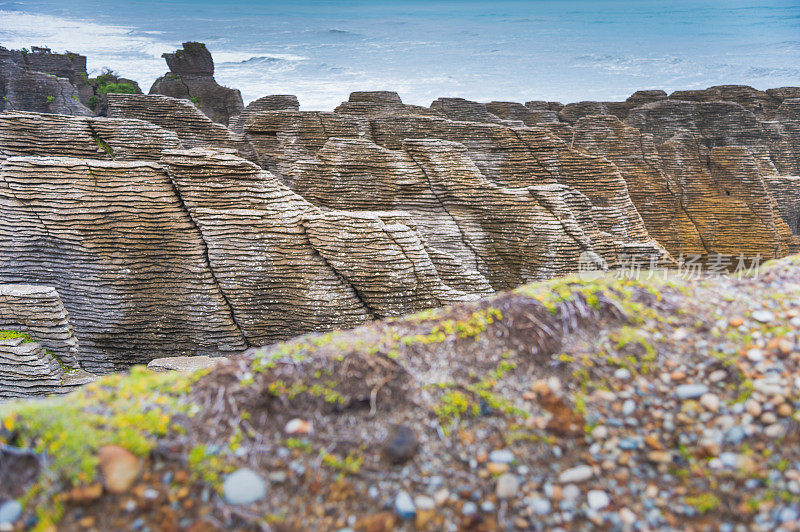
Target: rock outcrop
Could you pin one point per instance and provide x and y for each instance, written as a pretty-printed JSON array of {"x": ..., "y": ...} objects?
[
  {"x": 191, "y": 77},
  {"x": 116, "y": 242},
  {"x": 39, "y": 312},
  {"x": 167, "y": 234},
  {"x": 193, "y": 128},
  {"x": 23, "y": 133},
  {"x": 39, "y": 352},
  {"x": 28, "y": 369},
  {"x": 41, "y": 81}
]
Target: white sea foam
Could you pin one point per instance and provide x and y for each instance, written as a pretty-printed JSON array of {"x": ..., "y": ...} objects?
[
  {"x": 566, "y": 50},
  {"x": 130, "y": 52}
]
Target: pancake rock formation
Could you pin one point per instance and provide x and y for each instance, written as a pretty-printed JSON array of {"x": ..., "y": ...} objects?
[
  {"x": 38, "y": 350},
  {"x": 41, "y": 81},
  {"x": 38, "y": 311},
  {"x": 168, "y": 233},
  {"x": 191, "y": 77}
]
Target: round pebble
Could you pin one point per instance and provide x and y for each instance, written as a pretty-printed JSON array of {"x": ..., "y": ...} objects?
[
  {"x": 404, "y": 505},
  {"x": 622, "y": 374},
  {"x": 400, "y": 445},
  {"x": 10, "y": 512},
  {"x": 469, "y": 508},
  {"x": 298, "y": 426},
  {"x": 597, "y": 499},
  {"x": 690, "y": 391},
  {"x": 764, "y": 316},
  {"x": 540, "y": 506},
  {"x": 507, "y": 486},
  {"x": 579, "y": 473},
  {"x": 628, "y": 407},
  {"x": 424, "y": 503},
  {"x": 710, "y": 402},
  {"x": 600, "y": 432},
  {"x": 242, "y": 487},
  {"x": 755, "y": 355},
  {"x": 503, "y": 456}
]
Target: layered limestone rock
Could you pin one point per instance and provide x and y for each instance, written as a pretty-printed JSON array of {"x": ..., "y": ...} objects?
[
  {"x": 371, "y": 103},
  {"x": 28, "y": 369},
  {"x": 40, "y": 81},
  {"x": 500, "y": 235},
  {"x": 726, "y": 198},
  {"x": 116, "y": 242},
  {"x": 288, "y": 266},
  {"x": 518, "y": 112},
  {"x": 38, "y": 311},
  {"x": 274, "y": 280},
  {"x": 464, "y": 110},
  {"x": 281, "y": 138},
  {"x": 24, "y": 133},
  {"x": 179, "y": 116},
  {"x": 191, "y": 77},
  {"x": 719, "y": 156},
  {"x": 167, "y": 234},
  {"x": 358, "y": 175},
  {"x": 273, "y": 102},
  {"x": 785, "y": 191},
  {"x": 650, "y": 188}
]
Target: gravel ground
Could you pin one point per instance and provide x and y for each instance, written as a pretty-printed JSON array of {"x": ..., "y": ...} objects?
[{"x": 614, "y": 404}]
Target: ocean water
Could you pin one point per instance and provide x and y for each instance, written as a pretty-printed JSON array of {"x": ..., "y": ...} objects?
[{"x": 566, "y": 50}]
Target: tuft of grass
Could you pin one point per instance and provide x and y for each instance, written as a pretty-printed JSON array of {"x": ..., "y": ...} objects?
[
  {"x": 12, "y": 335},
  {"x": 105, "y": 146},
  {"x": 119, "y": 88},
  {"x": 703, "y": 503}
]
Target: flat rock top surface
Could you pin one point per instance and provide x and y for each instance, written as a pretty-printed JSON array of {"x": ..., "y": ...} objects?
[
  {"x": 187, "y": 364},
  {"x": 25, "y": 290}
]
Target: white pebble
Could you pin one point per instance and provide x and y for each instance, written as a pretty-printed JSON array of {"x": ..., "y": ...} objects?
[
  {"x": 627, "y": 516},
  {"x": 764, "y": 316},
  {"x": 710, "y": 402},
  {"x": 628, "y": 407},
  {"x": 298, "y": 426},
  {"x": 507, "y": 486},
  {"x": 597, "y": 499},
  {"x": 579, "y": 473},
  {"x": 755, "y": 355},
  {"x": 423, "y": 502},
  {"x": 600, "y": 432},
  {"x": 776, "y": 430}
]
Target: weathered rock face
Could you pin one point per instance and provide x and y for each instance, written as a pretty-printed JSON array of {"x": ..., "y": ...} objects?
[
  {"x": 457, "y": 173},
  {"x": 167, "y": 234},
  {"x": 41, "y": 81},
  {"x": 117, "y": 243},
  {"x": 274, "y": 102},
  {"x": 501, "y": 235},
  {"x": 27, "y": 369},
  {"x": 370, "y": 103},
  {"x": 191, "y": 77},
  {"x": 179, "y": 116},
  {"x": 94, "y": 138},
  {"x": 38, "y": 311},
  {"x": 38, "y": 351}
]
